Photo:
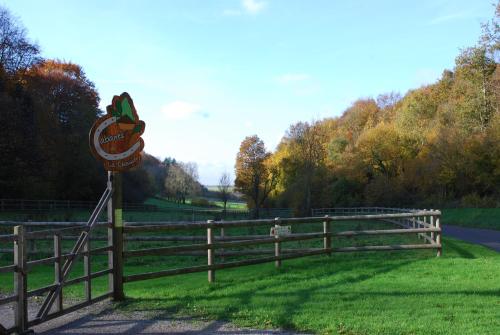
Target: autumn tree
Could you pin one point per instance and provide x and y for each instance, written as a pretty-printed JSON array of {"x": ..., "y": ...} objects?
[
  {"x": 305, "y": 144},
  {"x": 254, "y": 177}
]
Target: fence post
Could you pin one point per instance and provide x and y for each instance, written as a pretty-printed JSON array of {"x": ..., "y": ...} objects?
[
  {"x": 431, "y": 219},
  {"x": 58, "y": 263},
  {"x": 87, "y": 271},
  {"x": 438, "y": 235},
  {"x": 327, "y": 240},
  {"x": 277, "y": 246},
  {"x": 115, "y": 236},
  {"x": 20, "y": 280},
  {"x": 210, "y": 252}
]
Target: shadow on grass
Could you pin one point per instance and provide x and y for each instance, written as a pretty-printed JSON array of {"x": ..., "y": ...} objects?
[
  {"x": 453, "y": 246},
  {"x": 331, "y": 268}
]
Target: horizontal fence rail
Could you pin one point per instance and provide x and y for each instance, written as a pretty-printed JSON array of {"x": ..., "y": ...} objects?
[{"x": 423, "y": 223}]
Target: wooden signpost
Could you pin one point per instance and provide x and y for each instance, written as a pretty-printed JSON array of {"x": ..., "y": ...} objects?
[{"x": 115, "y": 139}]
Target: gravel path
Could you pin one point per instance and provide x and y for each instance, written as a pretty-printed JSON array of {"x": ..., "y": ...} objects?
[
  {"x": 101, "y": 318},
  {"x": 487, "y": 237}
]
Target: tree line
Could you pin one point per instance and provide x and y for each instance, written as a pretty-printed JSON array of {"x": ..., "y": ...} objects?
[
  {"x": 47, "y": 107},
  {"x": 438, "y": 145}
]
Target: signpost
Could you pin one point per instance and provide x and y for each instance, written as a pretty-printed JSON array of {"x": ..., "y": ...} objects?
[
  {"x": 115, "y": 139},
  {"x": 278, "y": 230}
]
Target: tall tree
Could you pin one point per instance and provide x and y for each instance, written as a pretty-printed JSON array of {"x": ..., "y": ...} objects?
[
  {"x": 17, "y": 52},
  {"x": 182, "y": 181},
  {"x": 254, "y": 177},
  {"x": 224, "y": 188}
]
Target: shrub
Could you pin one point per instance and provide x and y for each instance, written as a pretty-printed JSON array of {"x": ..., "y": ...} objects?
[{"x": 200, "y": 202}]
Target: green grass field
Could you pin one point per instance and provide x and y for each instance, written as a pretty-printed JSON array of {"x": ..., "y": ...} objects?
[
  {"x": 488, "y": 218},
  {"x": 410, "y": 292}
]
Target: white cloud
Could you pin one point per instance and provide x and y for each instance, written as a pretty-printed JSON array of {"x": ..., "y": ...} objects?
[
  {"x": 253, "y": 6},
  {"x": 288, "y": 78},
  {"x": 179, "y": 110}
]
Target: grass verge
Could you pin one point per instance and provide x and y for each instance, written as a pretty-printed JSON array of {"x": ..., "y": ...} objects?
[{"x": 488, "y": 218}]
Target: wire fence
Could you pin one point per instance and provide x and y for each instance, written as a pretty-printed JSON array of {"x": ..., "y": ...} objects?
[{"x": 75, "y": 211}]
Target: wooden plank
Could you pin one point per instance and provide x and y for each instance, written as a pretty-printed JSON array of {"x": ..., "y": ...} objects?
[
  {"x": 50, "y": 260},
  {"x": 8, "y": 238},
  {"x": 277, "y": 246},
  {"x": 20, "y": 281},
  {"x": 48, "y": 233},
  {"x": 220, "y": 245},
  {"x": 87, "y": 271},
  {"x": 84, "y": 278},
  {"x": 385, "y": 231},
  {"x": 387, "y": 247},
  {"x": 227, "y": 265},
  {"x": 58, "y": 263},
  {"x": 155, "y": 226},
  {"x": 117, "y": 235},
  {"x": 8, "y": 268},
  {"x": 327, "y": 240},
  {"x": 42, "y": 290},
  {"x": 438, "y": 236}
]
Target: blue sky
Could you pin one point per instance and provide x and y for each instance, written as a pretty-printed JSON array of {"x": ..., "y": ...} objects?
[{"x": 205, "y": 74}]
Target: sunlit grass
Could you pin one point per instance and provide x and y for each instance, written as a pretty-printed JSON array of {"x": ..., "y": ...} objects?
[{"x": 410, "y": 292}]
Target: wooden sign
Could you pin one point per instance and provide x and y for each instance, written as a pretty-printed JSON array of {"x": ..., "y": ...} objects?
[
  {"x": 278, "y": 230},
  {"x": 115, "y": 139}
]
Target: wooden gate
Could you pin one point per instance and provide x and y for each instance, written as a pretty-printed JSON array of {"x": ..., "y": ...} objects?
[{"x": 52, "y": 305}]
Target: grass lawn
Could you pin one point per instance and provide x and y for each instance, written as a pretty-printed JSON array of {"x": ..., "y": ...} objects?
[
  {"x": 410, "y": 292},
  {"x": 488, "y": 218}
]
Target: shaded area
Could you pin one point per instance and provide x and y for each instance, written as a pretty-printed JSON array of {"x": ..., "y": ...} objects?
[{"x": 108, "y": 321}]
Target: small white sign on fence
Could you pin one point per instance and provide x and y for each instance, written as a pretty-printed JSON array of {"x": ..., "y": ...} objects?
[{"x": 278, "y": 230}]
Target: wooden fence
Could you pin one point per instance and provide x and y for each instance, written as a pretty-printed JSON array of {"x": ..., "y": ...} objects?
[{"x": 216, "y": 247}]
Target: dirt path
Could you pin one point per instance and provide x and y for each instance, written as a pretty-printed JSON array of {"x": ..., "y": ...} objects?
[
  {"x": 101, "y": 318},
  {"x": 487, "y": 237}
]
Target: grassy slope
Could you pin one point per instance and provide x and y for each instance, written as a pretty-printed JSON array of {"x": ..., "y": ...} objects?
[
  {"x": 472, "y": 217},
  {"x": 367, "y": 293},
  {"x": 165, "y": 204}
]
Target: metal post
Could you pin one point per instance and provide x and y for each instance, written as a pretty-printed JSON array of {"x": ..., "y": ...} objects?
[
  {"x": 20, "y": 281},
  {"x": 115, "y": 236}
]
